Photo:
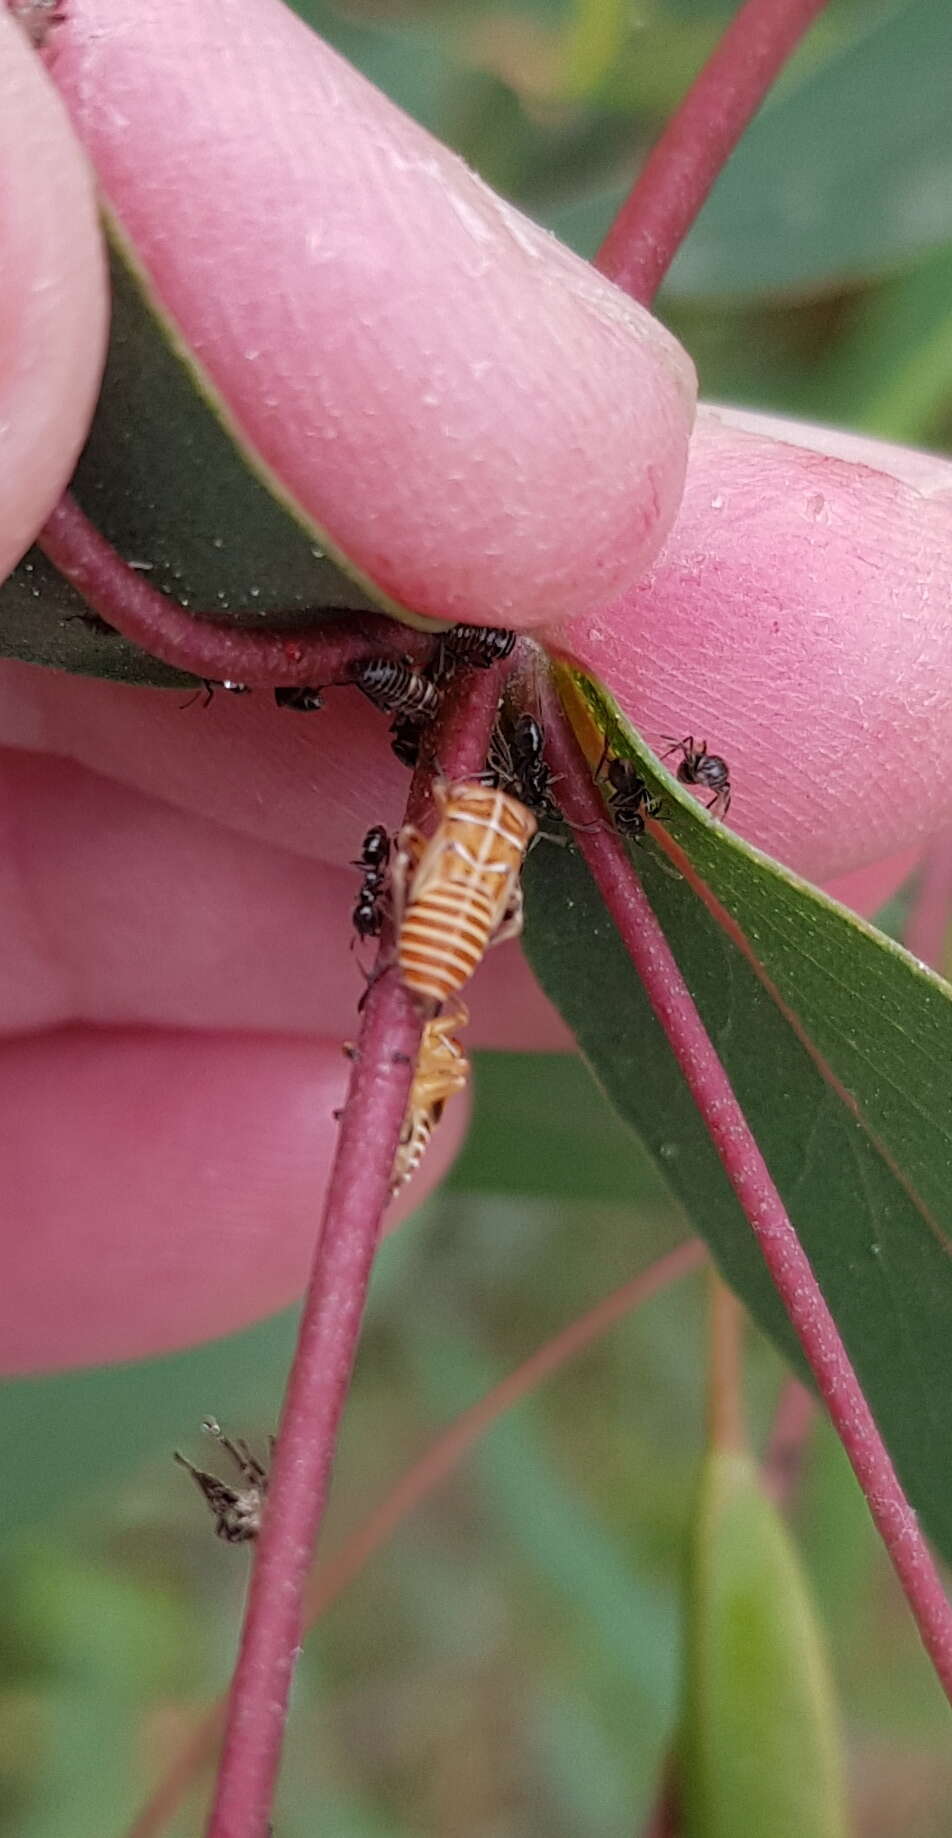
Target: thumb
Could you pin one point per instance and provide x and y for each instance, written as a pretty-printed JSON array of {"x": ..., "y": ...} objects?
[{"x": 53, "y": 311}]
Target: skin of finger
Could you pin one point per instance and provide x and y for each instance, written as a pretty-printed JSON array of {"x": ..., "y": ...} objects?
[
  {"x": 53, "y": 301},
  {"x": 487, "y": 428},
  {"x": 119, "y": 910},
  {"x": 310, "y": 785},
  {"x": 162, "y": 1189},
  {"x": 798, "y": 621}
]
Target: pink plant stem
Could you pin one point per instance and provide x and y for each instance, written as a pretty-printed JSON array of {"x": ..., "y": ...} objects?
[
  {"x": 125, "y": 599},
  {"x": 697, "y": 142},
  {"x": 753, "y": 1185},
  {"x": 927, "y": 929},
  {"x": 357, "y": 1196},
  {"x": 420, "y": 1480}
]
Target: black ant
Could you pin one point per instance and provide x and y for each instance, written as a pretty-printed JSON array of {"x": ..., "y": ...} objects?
[
  {"x": 374, "y": 857},
  {"x": 209, "y": 686},
  {"x": 629, "y": 800},
  {"x": 406, "y": 733},
  {"x": 517, "y": 762},
  {"x": 236, "y": 1510},
  {"x": 304, "y": 700},
  {"x": 699, "y": 767}
]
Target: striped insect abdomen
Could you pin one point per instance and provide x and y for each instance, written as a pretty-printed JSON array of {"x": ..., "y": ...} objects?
[
  {"x": 465, "y": 880},
  {"x": 441, "y": 1071},
  {"x": 412, "y": 1147},
  {"x": 444, "y": 936}
]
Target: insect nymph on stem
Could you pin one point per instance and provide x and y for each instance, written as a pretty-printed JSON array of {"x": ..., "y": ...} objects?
[
  {"x": 394, "y": 685},
  {"x": 441, "y": 1071},
  {"x": 459, "y": 891}
]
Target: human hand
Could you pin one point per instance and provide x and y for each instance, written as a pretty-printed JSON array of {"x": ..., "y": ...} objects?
[{"x": 178, "y": 978}]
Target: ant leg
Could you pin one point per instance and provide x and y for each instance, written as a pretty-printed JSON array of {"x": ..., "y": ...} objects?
[{"x": 510, "y": 924}]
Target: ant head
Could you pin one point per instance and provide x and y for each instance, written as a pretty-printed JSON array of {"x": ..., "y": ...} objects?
[
  {"x": 528, "y": 736},
  {"x": 623, "y": 776}
]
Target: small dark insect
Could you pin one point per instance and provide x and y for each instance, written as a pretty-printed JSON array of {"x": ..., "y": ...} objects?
[
  {"x": 629, "y": 799},
  {"x": 406, "y": 739},
  {"x": 209, "y": 687},
  {"x": 391, "y": 683},
  {"x": 373, "y": 860},
  {"x": 304, "y": 700},
  {"x": 699, "y": 767},
  {"x": 517, "y": 762},
  {"x": 474, "y": 646},
  {"x": 236, "y": 1510},
  {"x": 92, "y": 622},
  {"x": 406, "y": 734}
]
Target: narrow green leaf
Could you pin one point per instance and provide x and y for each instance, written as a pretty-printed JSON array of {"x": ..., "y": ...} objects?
[
  {"x": 839, "y": 1047},
  {"x": 173, "y": 490},
  {"x": 761, "y": 1750},
  {"x": 580, "y": 1149},
  {"x": 891, "y": 374}
]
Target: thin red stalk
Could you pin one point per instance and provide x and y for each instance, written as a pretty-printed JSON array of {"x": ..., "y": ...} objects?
[
  {"x": 357, "y": 1196},
  {"x": 750, "y": 1178},
  {"x": 698, "y": 140},
  {"x": 927, "y": 929},
  {"x": 126, "y": 600},
  {"x": 448, "y": 1450},
  {"x": 783, "y": 1457},
  {"x": 420, "y": 1480},
  {"x": 735, "y": 932}
]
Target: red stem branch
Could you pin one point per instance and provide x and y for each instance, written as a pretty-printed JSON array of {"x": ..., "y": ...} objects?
[
  {"x": 126, "y": 600},
  {"x": 357, "y": 1195},
  {"x": 356, "y": 1198},
  {"x": 421, "y": 1479},
  {"x": 697, "y": 142},
  {"x": 750, "y": 1178}
]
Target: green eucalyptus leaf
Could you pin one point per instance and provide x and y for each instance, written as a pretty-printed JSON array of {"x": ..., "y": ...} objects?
[
  {"x": 839, "y": 1047},
  {"x": 761, "y": 1749},
  {"x": 168, "y": 482}
]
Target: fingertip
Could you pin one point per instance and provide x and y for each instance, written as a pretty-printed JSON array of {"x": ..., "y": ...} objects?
[
  {"x": 164, "y": 1188},
  {"x": 797, "y": 618},
  {"x": 482, "y": 426}
]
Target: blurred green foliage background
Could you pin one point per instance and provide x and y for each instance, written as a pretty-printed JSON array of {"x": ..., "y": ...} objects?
[{"x": 509, "y": 1666}]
